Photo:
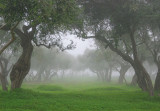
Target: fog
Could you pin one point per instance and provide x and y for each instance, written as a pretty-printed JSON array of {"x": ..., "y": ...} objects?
[
  {"x": 88, "y": 60},
  {"x": 79, "y": 55}
]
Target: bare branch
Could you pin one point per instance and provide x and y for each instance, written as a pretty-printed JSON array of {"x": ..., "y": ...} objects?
[{"x": 41, "y": 44}]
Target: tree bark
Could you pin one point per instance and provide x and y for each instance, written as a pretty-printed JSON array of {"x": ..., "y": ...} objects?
[
  {"x": 4, "y": 73},
  {"x": 22, "y": 66},
  {"x": 134, "y": 80},
  {"x": 3, "y": 79}
]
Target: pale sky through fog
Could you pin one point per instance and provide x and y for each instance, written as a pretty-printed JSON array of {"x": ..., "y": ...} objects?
[{"x": 81, "y": 45}]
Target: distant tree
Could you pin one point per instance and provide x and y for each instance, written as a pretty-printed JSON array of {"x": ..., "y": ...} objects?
[
  {"x": 95, "y": 61},
  {"x": 64, "y": 62},
  {"x": 48, "y": 63},
  {"x": 114, "y": 61}
]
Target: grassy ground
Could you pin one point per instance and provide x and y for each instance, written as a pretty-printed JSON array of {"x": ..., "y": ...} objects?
[{"x": 77, "y": 97}]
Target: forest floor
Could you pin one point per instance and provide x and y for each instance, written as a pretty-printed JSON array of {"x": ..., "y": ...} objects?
[{"x": 93, "y": 96}]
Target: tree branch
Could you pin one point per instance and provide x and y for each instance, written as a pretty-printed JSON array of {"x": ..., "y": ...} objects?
[
  {"x": 110, "y": 45},
  {"x": 1, "y": 27},
  {"x": 12, "y": 39}
]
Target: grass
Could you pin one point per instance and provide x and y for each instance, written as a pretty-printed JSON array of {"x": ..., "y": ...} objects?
[{"x": 77, "y": 97}]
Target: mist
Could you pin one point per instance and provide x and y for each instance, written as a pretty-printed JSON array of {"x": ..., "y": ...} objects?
[{"x": 79, "y": 55}]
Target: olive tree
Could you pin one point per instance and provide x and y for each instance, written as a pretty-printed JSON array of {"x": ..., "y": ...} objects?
[
  {"x": 114, "y": 21},
  {"x": 40, "y": 21}
]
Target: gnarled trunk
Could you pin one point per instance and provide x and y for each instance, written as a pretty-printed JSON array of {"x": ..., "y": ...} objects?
[
  {"x": 22, "y": 66},
  {"x": 144, "y": 80}
]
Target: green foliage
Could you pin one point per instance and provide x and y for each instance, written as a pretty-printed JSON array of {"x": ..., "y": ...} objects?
[
  {"x": 117, "y": 18},
  {"x": 48, "y": 16},
  {"x": 80, "y": 97},
  {"x": 17, "y": 10},
  {"x": 53, "y": 12}
]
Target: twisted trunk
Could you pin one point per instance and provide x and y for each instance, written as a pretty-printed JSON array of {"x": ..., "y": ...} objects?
[
  {"x": 144, "y": 80},
  {"x": 22, "y": 66}
]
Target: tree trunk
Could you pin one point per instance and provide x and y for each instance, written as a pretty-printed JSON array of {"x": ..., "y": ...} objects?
[
  {"x": 39, "y": 74},
  {"x": 39, "y": 78},
  {"x": 134, "y": 80},
  {"x": 3, "y": 79},
  {"x": 110, "y": 74},
  {"x": 144, "y": 80},
  {"x": 63, "y": 74},
  {"x": 124, "y": 69},
  {"x": 107, "y": 75},
  {"x": 4, "y": 73},
  {"x": 157, "y": 81},
  {"x": 22, "y": 66},
  {"x": 98, "y": 75},
  {"x": 102, "y": 76}
]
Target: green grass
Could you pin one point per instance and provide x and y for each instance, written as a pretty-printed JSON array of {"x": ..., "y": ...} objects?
[
  {"x": 77, "y": 97},
  {"x": 50, "y": 88}
]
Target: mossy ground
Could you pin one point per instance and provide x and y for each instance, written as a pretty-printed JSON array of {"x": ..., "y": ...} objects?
[{"x": 78, "y": 97}]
